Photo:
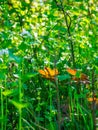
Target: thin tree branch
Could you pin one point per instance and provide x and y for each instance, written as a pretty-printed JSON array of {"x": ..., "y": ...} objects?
[{"x": 68, "y": 24}]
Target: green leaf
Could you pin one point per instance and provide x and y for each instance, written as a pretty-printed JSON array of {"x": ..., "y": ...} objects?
[
  {"x": 10, "y": 92},
  {"x": 28, "y": 76},
  {"x": 63, "y": 77},
  {"x": 12, "y": 57},
  {"x": 18, "y": 105},
  {"x": 2, "y": 76}
]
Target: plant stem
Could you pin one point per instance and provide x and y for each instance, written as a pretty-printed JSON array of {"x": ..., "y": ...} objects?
[
  {"x": 20, "y": 117},
  {"x": 93, "y": 103},
  {"x": 20, "y": 111},
  {"x": 50, "y": 105},
  {"x": 58, "y": 104},
  {"x": 5, "y": 113},
  {"x": 2, "y": 108},
  {"x": 5, "y": 122}
]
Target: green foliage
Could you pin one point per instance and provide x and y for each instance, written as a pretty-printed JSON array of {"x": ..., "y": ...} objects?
[{"x": 48, "y": 33}]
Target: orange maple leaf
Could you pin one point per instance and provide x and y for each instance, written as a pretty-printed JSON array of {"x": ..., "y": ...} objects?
[
  {"x": 92, "y": 99},
  {"x": 71, "y": 71},
  {"x": 49, "y": 73},
  {"x": 82, "y": 77}
]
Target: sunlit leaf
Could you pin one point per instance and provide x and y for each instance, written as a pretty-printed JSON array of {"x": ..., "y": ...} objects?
[
  {"x": 10, "y": 92},
  {"x": 18, "y": 105}
]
